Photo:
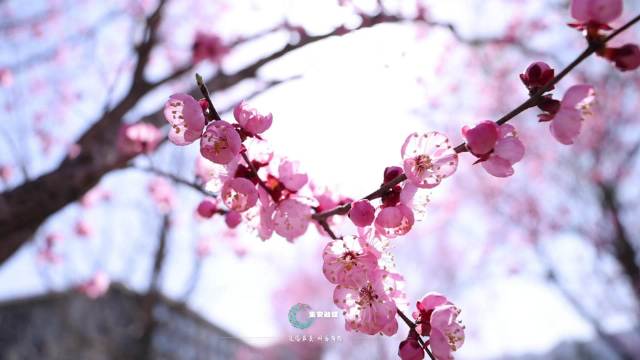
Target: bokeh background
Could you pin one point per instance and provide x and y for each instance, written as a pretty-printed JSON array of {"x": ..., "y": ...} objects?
[{"x": 543, "y": 264}]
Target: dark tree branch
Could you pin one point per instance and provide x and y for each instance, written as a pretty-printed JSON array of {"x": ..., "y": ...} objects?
[
  {"x": 611, "y": 341},
  {"x": 623, "y": 249},
  {"x": 150, "y": 299},
  {"x": 177, "y": 180}
]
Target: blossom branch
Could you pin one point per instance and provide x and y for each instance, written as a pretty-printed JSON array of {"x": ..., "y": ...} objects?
[
  {"x": 532, "y": 101},
  {"x": 74, "y": 177},
  {"x": 412, "y": 326}
]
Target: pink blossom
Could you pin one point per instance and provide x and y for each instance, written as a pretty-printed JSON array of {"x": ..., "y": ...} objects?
[
  {"x": 250, "y": 120},
  {"x": 291, "y": 219},
  {"x": 6, "y": 78},
  {"x": 208, "y": 47},
  {"x": 348, "y": 261},
  {"x": 215, "y": 175},
  {"x": 447, "y": 333},
  {"x": 410, "y": 348},
  {"x": 162, "y": 194},
  {"x": 96, "y": 286},
  {"x": 265, "y": 214},
  {"x": 537, "y": 76},
  {"x": 481, "y": 138},
  {"x": 47, "y": 255},
  {"x": 394, "y": 221},
  {"x": 203, "y": 248},
  {"x": 437, "y": 318},
  {"x": 259, "y": 150},
  {"x": 239, "y": 194},
  {"x": 233, "y": 219},
  {"x": 205, "y": 169},
  {"x": 508, "y": 150},
  {"x": 362, "y": 213},
  {"x": 186, "y": 118},
  {"x": 138, "y": 138},
  {"x": 326, "y": 199},
  {"x": 368, "y": 306},
  {"x": 6, "y": 173},
  {"x": 290, "y": 176},
  {"x": 83, "y": 229},
  {"x": 625, "y": 58},
  {"x": 415, "y": 199},
  {"x": 94, "y": 196},
  {"x": 596, "y": 11},
  {"x": 220, "y": 142},
  {"x": 74, "y": 150},
  {"x": 428, "y": 158},
  {"x": 566, "y": 123},
  {"x": 207, "y": 208},
  {"x": 52, "y": 239}
]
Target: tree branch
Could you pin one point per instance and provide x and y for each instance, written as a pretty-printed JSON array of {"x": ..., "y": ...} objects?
[{"x": 527, "y": 104}]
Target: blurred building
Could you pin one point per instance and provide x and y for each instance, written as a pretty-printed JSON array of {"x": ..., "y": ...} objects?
[{"x": 116, "y": 326}]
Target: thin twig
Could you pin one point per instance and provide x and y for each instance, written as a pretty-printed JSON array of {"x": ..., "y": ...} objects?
[
  {"x": 176, "y": 179},
  {"x": 205, "y": 92}
]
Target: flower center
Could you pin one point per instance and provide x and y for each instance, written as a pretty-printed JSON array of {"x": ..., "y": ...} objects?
[
  {"x": 367, "y": 296},
  {"x": 220, "y": 145},
  {"x": 423, "y": 163},
  {"x": 348, "y": 258}
]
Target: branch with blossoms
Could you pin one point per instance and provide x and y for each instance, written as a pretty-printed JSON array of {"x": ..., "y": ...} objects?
[
  {"x": 28, "y": 205},
  {"x": 369, "y": 289}
]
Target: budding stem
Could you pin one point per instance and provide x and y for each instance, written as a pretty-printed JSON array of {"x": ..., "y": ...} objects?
[{"x": 205, "y": 92}]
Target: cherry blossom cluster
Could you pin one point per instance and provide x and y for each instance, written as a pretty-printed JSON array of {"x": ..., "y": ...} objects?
[
  {"x": 368, "y": 290},
  {"x": 273, "y": 196},
  {"x": 236, "y": 164},
  {"x": 270, "y": 194}
]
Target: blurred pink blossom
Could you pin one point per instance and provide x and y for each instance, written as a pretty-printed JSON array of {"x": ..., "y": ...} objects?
[
  {"x": 96, "y": 286},
  {"x": 208, "y": 47},
  {"x": 162, "y": 194},
  {"x": 250, "y": 120},
  {"x": 186, "y": 118},
  {"x": 596, "y": 11},
  {"x": 138, "y": 138},
  {"x": 83, "y": 229},
  {"x": 291, "y": 219},
  {"x": 290, "y": 175}
]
